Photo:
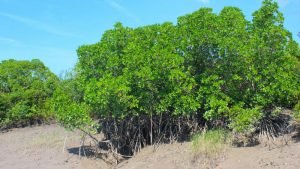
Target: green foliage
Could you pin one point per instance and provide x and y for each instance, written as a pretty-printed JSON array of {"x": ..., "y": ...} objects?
[
  {"x": 275, "y": 65},
  {"x": 211, "y": 143},
  {"x": 236, "y": 61},
  {"x": 140, "y": 73},
  {"x": 25, "y": 89},
  {"x": 215, "y": 102},
  {"x": 69, "y": 108}
]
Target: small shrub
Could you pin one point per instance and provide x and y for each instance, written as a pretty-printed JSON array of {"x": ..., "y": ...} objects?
[{"x": 211, "y": 143}]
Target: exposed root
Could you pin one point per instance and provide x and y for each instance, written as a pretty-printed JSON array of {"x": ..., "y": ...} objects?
[
  {"x": 128, "y": 136},
  {"x": 274, "y": 130}
]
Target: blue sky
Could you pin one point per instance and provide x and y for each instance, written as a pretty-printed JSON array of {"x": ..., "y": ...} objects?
[{"x": 52, "y": 30}]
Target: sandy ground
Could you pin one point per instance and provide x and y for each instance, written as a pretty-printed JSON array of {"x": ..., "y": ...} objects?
[{"x": 43, "y": 148}]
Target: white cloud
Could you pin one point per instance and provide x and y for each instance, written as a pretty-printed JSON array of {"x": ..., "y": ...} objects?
[
  {"x": 7, "y": 40},
  {"x": 36, "y": 24},
  {"x": 122, "y": 9},
  {"x": 204, "y": 1}
]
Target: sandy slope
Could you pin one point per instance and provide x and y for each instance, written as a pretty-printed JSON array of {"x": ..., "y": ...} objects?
[
  {"x": 179, "y": 156},
  {"x": 42, "y": 148}
]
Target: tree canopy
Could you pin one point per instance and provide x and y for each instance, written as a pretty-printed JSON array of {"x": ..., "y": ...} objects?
[{"x": 25, "y": 88}]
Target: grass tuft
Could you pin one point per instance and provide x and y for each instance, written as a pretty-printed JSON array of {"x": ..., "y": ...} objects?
[{"x": 211, "y": 143}]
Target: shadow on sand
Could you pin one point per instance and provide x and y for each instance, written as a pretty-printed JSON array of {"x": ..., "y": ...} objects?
[
  {"x": 92, "y": 152},
  {"x": 86, "y": 151}
]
